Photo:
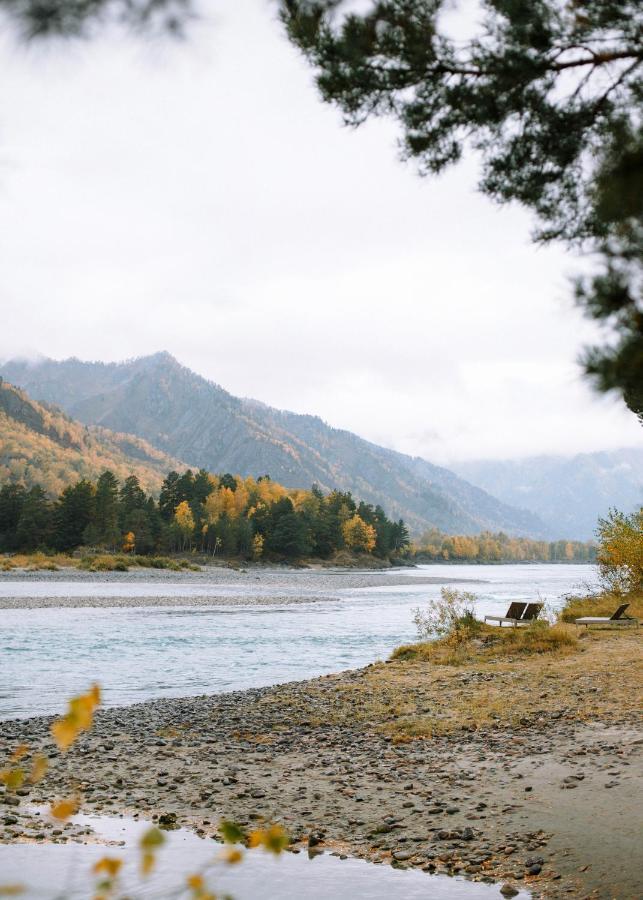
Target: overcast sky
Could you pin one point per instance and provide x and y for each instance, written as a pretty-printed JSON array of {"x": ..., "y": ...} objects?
[{"x": 198, "y": 197}]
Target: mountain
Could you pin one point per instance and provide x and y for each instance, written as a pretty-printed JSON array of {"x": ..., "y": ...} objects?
[
  {"x": 41, "y": 444},
  {"x": 568, "y": 493},
  {"x": 196, "y": 420}
]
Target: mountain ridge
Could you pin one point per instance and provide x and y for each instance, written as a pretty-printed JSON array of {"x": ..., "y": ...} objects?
[
  {"x": 568, "y": 492},
  {"x": 198, "y": 421},
  {"x": 41, "y": 444}
]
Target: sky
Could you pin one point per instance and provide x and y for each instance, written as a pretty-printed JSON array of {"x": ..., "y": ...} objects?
[{"x": 196, "y": 196}]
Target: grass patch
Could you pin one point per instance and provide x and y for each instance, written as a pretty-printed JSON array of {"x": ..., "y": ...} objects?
[
  {"x": 105, "y": 562},
  {"x": 92, "y": 562},
  {"x": 36, "y": 562},
  {"x": 602, "y": 605},
  {"x": 486, "y": 643}
]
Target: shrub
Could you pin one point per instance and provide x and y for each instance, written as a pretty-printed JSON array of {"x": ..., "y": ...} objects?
[
  {"x": 449, "y": 616},
  {"x": 620, "y": 551}
]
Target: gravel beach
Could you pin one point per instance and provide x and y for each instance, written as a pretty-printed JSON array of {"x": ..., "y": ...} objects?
[
  {"x": 536, "y": 783},
  {"x": 211, "y": 585}
]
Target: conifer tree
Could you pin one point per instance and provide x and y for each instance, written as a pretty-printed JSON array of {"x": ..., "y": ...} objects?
[{"x": 33, "y": 529}]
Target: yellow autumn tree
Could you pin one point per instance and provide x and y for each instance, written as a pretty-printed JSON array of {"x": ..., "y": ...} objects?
[
  {"x": 358, "y": 535},
  {"x": 620, "y": 551},
  {"x": 184, "y": 521}
]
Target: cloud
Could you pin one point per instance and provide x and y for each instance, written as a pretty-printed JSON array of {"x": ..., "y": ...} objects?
[{"x": 198, "y": 197}]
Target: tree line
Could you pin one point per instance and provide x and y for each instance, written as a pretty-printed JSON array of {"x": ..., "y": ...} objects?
[
  {"x": 224, "y": 515},
  {"x": 498, "y": 547}
]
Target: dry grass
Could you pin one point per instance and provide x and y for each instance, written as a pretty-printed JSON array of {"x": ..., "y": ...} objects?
[
  {"x": 518, "y": 688},
  {"x": 495, "y": 678},
  {"x": 93, "y": 562},
  {"x": 489, "y": 643},
  {"x": 36, "y": 562},
  {"x": 602, "y": 605}
]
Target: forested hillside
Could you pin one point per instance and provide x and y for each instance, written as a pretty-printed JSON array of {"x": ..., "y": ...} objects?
[
  {"x": 222, "y": 515},
  {"x": 197, "y": 421},
  {"x": 39, "y": 444}
]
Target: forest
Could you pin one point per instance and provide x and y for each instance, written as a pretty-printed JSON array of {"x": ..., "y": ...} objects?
[
  {"x": 219, "y": 515},
  {"x": 489, "y": 547}
]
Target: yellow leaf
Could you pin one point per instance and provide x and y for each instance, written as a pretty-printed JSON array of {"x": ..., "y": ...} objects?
[
  {"x": 78, "y": 718},
  {"x": 109, "y": 866},
  {"x": 273, "y": 839},
  {"x": 147, "y": 862},
  {"x": 152, "y": 838},
  {"x": 64, "y": 733},
  {"x": 12, "y": 778},
  {"x": 39, "y": 767},
  {"x": 64, "y": 808},
  {"x": 81, "y": 711},
  {"x": 195, "y": 882},
  {"x": 231, "y": 855},
  {"x": 19, "y": 752},
  {"x": 11, "y": 890}
]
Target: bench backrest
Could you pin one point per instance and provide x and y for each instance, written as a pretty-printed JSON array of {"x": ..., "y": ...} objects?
[
  {"x": 532, "y": 612},
  {"x": 515, "y": 610},
  {"x": 619, "y": 612}
]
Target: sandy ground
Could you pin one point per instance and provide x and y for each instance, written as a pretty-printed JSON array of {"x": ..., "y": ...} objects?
[{"x": 531, "y": 776}]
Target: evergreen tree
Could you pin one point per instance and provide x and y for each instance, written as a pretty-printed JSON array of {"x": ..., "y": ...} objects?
[
  {"x": 132, "y": 497},
  {"x": 33, "y": 529},
  {"x": 287, "y": 534},
  {"x": 400, "y": 539},
  {"x": 229, "y": 481},
  {"x": 104, "y": 528},
  {"x": 72, "y": 514},
  {"x": 138, "y": 523},
  {"x": 202, "y": 486},
  {"x": 169, "y": 496},
  {"x": 12, "y": 499},
  {"x": 185, "y": 486}
]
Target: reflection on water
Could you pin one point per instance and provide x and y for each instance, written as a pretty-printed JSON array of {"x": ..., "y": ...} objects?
[
  {"x": 138, "y": 653},
  {"x": 288, "y": 877}
]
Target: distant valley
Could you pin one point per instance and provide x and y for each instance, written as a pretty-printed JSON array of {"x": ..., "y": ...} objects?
[{"x": 567, "y": 493}]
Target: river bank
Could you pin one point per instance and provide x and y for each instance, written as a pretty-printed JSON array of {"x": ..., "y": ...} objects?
[
  {"x": 529, "y": 775},
  {"x": 210, "y": 585}
]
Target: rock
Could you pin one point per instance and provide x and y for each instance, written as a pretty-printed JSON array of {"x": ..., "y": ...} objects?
[
  {"x": 508, "y": 890},
  {"x": 535, "y": 869},
  {"x": 167, "y": 821},
  {"x": 402, "y": 855}
]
